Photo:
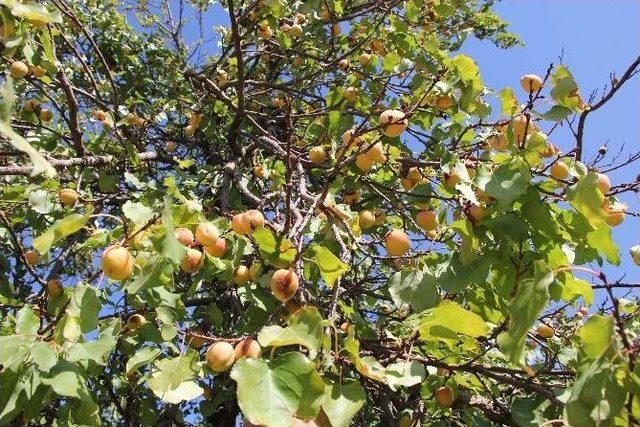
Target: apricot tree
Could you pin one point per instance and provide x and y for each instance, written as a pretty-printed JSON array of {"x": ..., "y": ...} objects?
[{"x": 313, "y": 214}]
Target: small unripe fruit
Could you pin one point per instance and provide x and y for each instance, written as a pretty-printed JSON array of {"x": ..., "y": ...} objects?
[
  {"x": 443, "y": 103},
  {"x": 365, "y": 58},
  {"x": 427, "y": 220},
  {"x": 405, "y": 421},
  {"x": 100, "y": 115},
  {"x": 264, "y": 31},
  {"x": 444, "y": 397},
  {"x": 604, "y": 184},
  {"x": 343, "y": 64},
  {"x": 255, "y": 271},
  {"x": 284, "y": 284},
  {"x": 545, "y": 331},
  {"x": 394, "y": 122},
  {"x": 295, "y": 30},
  {"x": 135, "y": 321},
  {"x": 352, "y": 197},
  {"x": 68, "y": 196},
  {"x": 531, "y": 83},
  {"x": 277, "y": 102},
  {"x": 559, "y": 170},
  {"x": 192, "y": 261},
  {"x": 241, "y": 275},
  {"x": 364, "y": 162},
  {"x": 32, "y": 257},
  {"x": 46, "y": 115},
  {"x": 189, "y": 130},
  {"x": 38, "y": 71},
  {"x": 407, "y": 183},
  {"x": 184, "y": 235},
  {"x": 54, "y": 288},
  {"x": 117, "y": 262},
  {"x": 207, "y": 234},
  {"x": 349, "y": 137},
  {"x": 635, "y": 254},
  {"x": 196, "y": 342},
  {"x": 476, "y": 214},
  {"x": 351, "y": 94},
  {"x": 220, "y": 356},
  {"x": 397, "y": 243},
  {"x": 239, "y": 225},
  {"x": 18, "y": 69},
  {"x": 366, "y": 219},
  {"x": 170, "y": 146},
  {"x": 254, "y": 218},
  {"x": 615, "y": 217},
  {"x": 344, "y": 327},
  {"x": 451, "y": 179},
  {"x": 218, "y": 249},
  {"x": 414, "y": 174},
  {"x": 247, "y": 348},
  {"x": 318, "y": 155}
]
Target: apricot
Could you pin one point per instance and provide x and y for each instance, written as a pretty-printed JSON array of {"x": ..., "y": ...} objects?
[
  {"x": 135, "y": 321},
  {"x": 100, "y": 115},
  {"x": 207, "y": 234},
  {"x": 394, "y": 122},
  {"x": 559, "y": 170},
  {"x": 54, "y": 288},
  {"x": 351, "y": 94},
  {"x": 545, "y": 331},
  {"x": 46, "y": 115},
  {"x": 366, "y": 219},
  {"x": 220, "y": 356},
  {"x": 531, "y": 83},
  {"x": 397, "y": 243},
  {"x": 241, "y": 275},
  {"x": 254, "y": 218},
  {"x": 184, "y": 235},
  {"x": 284, "y": 284},
  {"x": 117, "y": 262},
  {"x": 476, "y": 214},
  {"x": 364, "y": 162},
  {"x": 170, "y": 146},
  {"x": 32, "y": 257},
  {"x": 218, "y": 249},
  {"x": 67, "y": 196},
  {"x": 318, "y": 155},
  {"x": 247, "y": 348},
  {"x": 193, "y": 261},
  {"x": 443, "y": 103},
  {"x": 444, "y": 397},
  {"x": 427, "y": 220},
  {"x": 604, "y": 184},
  {"x": 18, "y": 69}
]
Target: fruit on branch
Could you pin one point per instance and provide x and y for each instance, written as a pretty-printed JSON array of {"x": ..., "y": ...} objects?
[
  {"x": 635, "y": 254},
  {"x": 365, "y": 58},
  {"x": 351, "y": 94},
  {"x": 247, "y": 348},
  {"x": 550, "y": 150},
  {"x": 32, "y": 257},
  {"x": 521, "y": 124},
  {"x": 366, "y": 219},
  {"x": 189, "y": 130},
  {"x": 444, "y": 396},
  {"x": 258, "y": 171},
  {"x": 170, "y": 146},
  {"x": 254, "y": 218},
  {"x": 344, "y": 327},
  {"x": 414, "y": 174},
  {"x": 184, "y": 236},
  {"x": 476, "y": 214},
  {"x": 67, "y": 196},
  {"x": 352, "y": 197},
  {"x": 240, "y": 225},
  {"x": 278, "y": 102},
  {"x": 193, "y": 261},
  {"x": 377, "y": 46},
  {"x": 397, "y": 242},
  {"x": 134, "y": 322},
  {"x": 32, "y": 105},
  {"x": 427, "y": 220},
  {"x": 265, "y": 31},
  {"x": 616, "y": 216},
  {"x": 207, "y": 234},
  {"x": 46, "y": 115},
  {"x": 559, "y": 170},
  {"x": 604, "y": 184},
  {"x": 393, "y": 122},
  {"x": 218, "y": 249},
  {"x": 405, "y": 420},
  {"x": 407, "y": 183},
  {"x": 295, "y": 30},
  {"x": 318, "y": 155},
  {"x": 343, "y": 64},
  {"x": 498, "y": 142},
  {"x": 349, "y": 138},
  {"x": 335, "y": 30},
  {"x": 443, "y": 103},
  {"x": 545, "y": 331},
  {"x": 483, "y": 196},
  {"x": 18, "y": 69},
  {"x": 451, "y": 179},
  {"x": 299, "y": 18},
  {"x": 284, "y": 284},
  {"x": 54, "y": 288},
  {"x": 381, "y": 217},
  {"x": 241, "y": 275},
  {"x": 117, "y": 262},
  {"x": 364, "y": 162},
  {"x": 255, "y": 271},
  {"x": 100, "y": 115},
  {"x": 220, "y": 356},
  {"x": 376, "y": 153},
  {"x": 531, "y": 83},
  {"x": 194, "y": 340}
]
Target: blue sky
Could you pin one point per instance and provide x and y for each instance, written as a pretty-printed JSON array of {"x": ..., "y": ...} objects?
[{"x": 595, "y": 38}]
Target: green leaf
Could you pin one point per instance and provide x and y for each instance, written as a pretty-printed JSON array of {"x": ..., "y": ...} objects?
[
  {"x": 414, "y": 287},
  {"x": 27, "y": 322},
  {"x": 405, "y": 374},
  {"x": 169, "y": 246},
  {"x": 509, "y": 181},
  {"x": 342, "y": 401},
  {"x": 97, "y": 351},
  {"x": 138, "y": 213},
  {"x": 587, "y": 199},
  {"x": 40, "y": 164},
  {"x": 33, "y": 12},
  {"x": 531, "y": 297},
  {"x": 564, "y": 88},
  {"x": 509, "y": 102},
  {"x": 271, "y": 392},
  {"x": 275, "y": 250},
  {"x": 557, "y": 113},
  {"x": 601, "y": 239},
  {"x": 304, "y": 328},
  {"x": 142, "y": 357},
  {"x": 169, "y": 373},
  {"x": 448, "y": 317},
  {"x": 68, "y": 379},
  {"x": 186, "y": 390},
  {"x": 597, "y": 336},
  {"x": 58, "y": 231},
  {"x": 85, "y": 305},
  {"x": 43, "y": 355},
  {"x": 569, "y": 288},
  {"x": 331, "y": 267},
  {"x": 158, "y": 271}
]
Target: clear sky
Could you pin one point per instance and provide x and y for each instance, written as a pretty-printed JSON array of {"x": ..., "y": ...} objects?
[{"x": 595, "y": 37}]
